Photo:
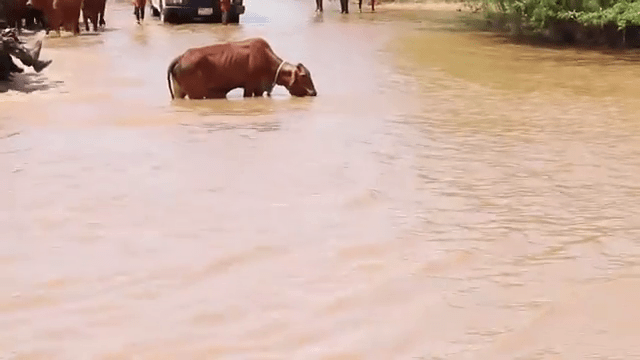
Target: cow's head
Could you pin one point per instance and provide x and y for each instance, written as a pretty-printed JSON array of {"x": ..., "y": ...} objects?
[{"x": 301, "y": 83}]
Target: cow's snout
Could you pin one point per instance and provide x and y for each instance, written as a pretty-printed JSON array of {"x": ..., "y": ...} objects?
[{"x": 312, "y": 92}]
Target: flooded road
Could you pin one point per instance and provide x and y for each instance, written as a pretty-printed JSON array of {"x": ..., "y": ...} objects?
[{"x": 446, "y": 195}]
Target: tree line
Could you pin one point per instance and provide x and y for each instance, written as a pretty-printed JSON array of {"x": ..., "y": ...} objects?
[{"x": 592, "y": 22}]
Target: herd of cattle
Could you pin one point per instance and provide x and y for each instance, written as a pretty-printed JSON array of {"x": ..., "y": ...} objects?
[{"x": 54, "y": 14}]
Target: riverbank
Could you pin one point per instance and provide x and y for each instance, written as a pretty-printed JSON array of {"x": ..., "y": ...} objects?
[{"x": 567, "y": 27}]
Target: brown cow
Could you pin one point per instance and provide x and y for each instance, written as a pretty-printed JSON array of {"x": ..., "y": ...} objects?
[
  {"x": 210, "y": 72},
  {"x": 70, "y": 10},
  {"x": 93, "y": 10},
  {"x": 60, "y": 13},
  {"x": 46, "y": 7}
]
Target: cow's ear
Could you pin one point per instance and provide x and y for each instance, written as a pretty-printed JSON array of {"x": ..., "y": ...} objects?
[{"x": 295, "y": 75}]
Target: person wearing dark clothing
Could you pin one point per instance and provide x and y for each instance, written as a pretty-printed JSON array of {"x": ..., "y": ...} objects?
[
  {"x": 11, "y": 45},
  {"x": 344, "y": 6},
  {"x": 138, "y": 10}
]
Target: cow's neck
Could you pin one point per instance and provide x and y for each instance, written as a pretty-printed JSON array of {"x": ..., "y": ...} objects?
[
  {"x": 284, "y": 77},
  {"x": 282, "y": 74}
]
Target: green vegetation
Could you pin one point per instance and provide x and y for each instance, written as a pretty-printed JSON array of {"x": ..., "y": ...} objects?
[{"x": 612, "y": 22}]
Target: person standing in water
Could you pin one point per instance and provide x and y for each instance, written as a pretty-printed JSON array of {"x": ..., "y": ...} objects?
[
  {"x": 344, "y": 6},
  {"x": 225, "y": 7},
  {"x": 138, "y": 9}
]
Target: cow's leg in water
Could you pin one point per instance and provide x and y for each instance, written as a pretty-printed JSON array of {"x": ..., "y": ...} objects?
[
  {"x": 142, "y": 13},
  {"x": 177, "y": 89},
  {"x": 85, "y": 18}
]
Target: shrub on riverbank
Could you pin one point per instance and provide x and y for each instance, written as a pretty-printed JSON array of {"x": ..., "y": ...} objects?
[{"x": 594, "y": 22}]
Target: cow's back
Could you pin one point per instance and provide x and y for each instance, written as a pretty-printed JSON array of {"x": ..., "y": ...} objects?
[{"x": 225, "y": 64}]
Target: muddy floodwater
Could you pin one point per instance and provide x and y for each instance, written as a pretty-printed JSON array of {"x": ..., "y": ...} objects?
[{"x": 447, "y": 195}]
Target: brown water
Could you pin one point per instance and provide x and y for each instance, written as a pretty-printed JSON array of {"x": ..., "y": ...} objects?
[{"x": 446, "y": 196}]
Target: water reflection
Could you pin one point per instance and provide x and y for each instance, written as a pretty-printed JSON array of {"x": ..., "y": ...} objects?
[
  {"x": 489, "y": 60},
  {"x": 236, "y": 105},
  {"x": 317, "y": 18},
  {"x": 141, "y": 37}
]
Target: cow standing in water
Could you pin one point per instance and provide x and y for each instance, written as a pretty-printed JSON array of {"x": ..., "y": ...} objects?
[
  {"x": 93, "y": 10},
  {"x": 15, "y": 11},
  {"x": 211, "y": 72},
  {"x": 60, "y": 13},
  {"x": 138, "y": 9}
]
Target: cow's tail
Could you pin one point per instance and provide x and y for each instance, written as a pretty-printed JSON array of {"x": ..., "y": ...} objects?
[{"x": 170, "y": 74}]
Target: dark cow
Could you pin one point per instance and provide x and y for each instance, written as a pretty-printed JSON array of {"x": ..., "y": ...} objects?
[
  {"x": 15, "y": 11},
  {"x": 101, "y": 21},
  {"x": 45, "y": 7},
  {"x": 35, "y": 18},
  {"x": 93, "y": 10},
  {"x": 210, "y": 72}
]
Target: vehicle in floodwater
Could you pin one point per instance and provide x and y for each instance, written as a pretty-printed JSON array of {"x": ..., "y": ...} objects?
[{"x": 178, "y": 11}]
